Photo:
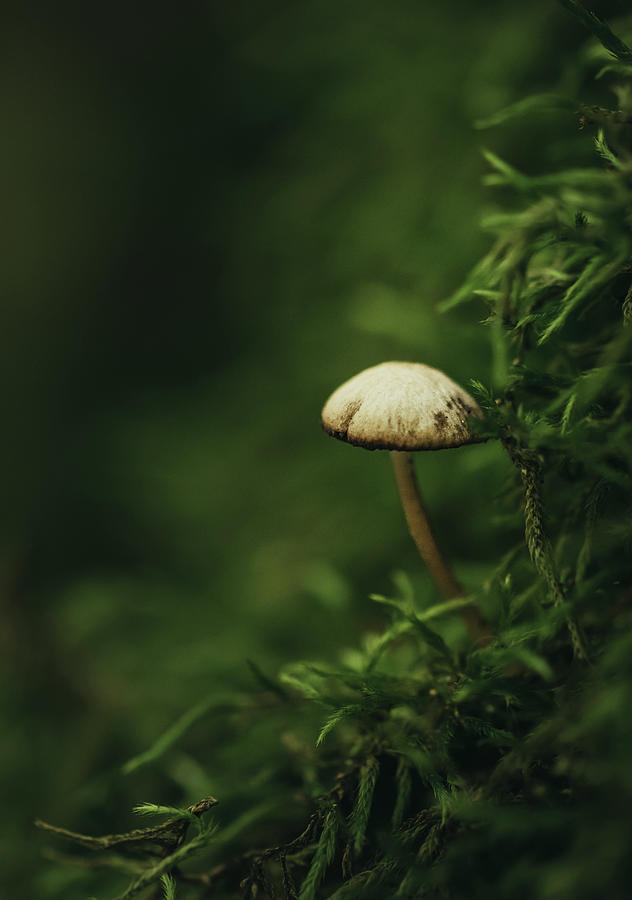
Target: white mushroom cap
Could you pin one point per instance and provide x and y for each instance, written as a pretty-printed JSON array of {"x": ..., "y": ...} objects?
[{"x": 401, "y": 406}]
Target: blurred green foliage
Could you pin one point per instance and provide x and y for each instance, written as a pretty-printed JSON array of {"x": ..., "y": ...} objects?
[{"x": 214, "y": 214}]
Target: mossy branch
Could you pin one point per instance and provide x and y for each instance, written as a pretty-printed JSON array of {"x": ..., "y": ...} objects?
[{"x": 600, "y": 29}]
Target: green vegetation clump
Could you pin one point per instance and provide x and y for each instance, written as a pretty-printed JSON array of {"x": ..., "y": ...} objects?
[{"x": 422, "y": 765}]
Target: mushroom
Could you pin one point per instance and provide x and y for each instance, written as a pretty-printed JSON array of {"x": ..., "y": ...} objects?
[{"x": 404, "y": 407}]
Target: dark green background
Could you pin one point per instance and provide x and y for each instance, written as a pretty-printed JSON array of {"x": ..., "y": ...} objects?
[{"x": 212, "y": 215}]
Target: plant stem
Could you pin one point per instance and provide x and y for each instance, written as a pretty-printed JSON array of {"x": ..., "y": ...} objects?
[
  {"x": 419, "y": 527},
  {"x": 600, "y": 29}
]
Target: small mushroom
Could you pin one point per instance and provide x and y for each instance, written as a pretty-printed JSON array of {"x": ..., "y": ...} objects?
[{"x": 404, "y": 407}]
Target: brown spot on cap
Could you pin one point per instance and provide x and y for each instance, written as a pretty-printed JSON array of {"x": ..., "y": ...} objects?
[
  {"x": 345, "y": 420},
  {"x": 441, "y": 420}
]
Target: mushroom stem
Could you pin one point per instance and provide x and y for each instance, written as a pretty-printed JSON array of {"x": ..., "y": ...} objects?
[{"x": 419, "y": 527}]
